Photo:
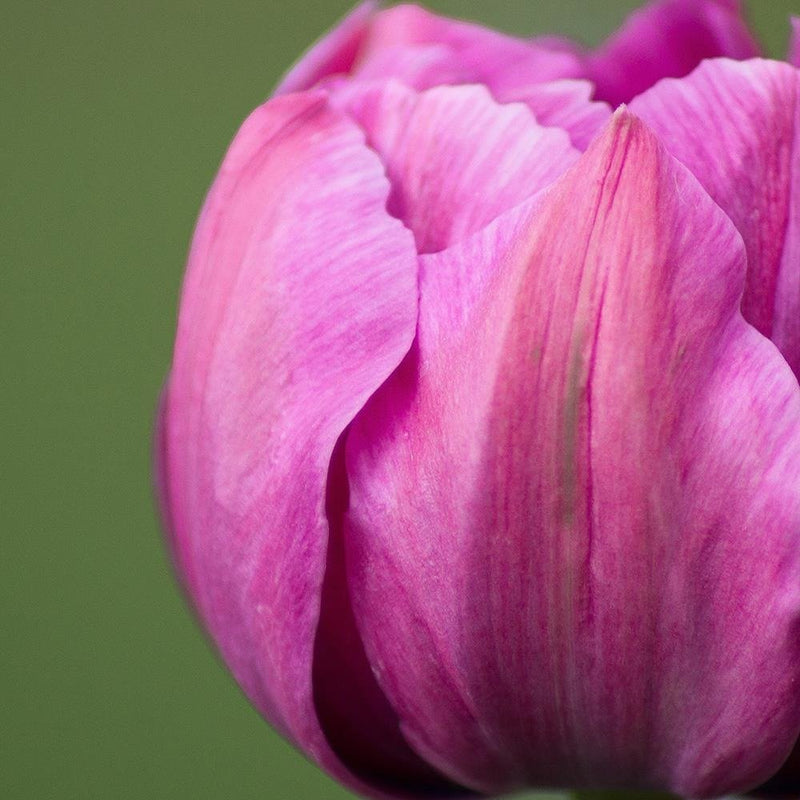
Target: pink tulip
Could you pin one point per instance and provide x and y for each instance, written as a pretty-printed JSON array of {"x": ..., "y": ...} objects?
[{"x": 480, "y": 451}]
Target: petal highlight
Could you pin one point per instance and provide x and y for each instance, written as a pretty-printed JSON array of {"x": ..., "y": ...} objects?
[{"x": 423, "y": 50}]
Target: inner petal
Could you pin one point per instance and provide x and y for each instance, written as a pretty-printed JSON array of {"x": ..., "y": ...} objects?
[{"x": 455, "y": 157}]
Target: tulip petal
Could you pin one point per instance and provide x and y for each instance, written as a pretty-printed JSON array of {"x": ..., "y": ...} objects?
[
  {"x": 736, "y": 125},
  {"x": 561, "y": 103},
  {"x": 667, "y": 39},
  {"x": 456, "y": 159},
  {"x": 300, "y": 299},
  {"x": 334, "y": 54},
  {"x": 574, "y": 530}
]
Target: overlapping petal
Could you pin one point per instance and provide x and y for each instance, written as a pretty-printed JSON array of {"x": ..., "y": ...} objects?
[
  {"x": 736, "y": 126},
  {"x": 422, "y": 50},
  {"x": 565, "y": 104},
  {"x": 300, "y": 299},
  {"x": 256, "y": 360},
  {"x": 558, "y": 80},
  {"x": 456, "y": 159},
  {"x": 573, "y": 532}
]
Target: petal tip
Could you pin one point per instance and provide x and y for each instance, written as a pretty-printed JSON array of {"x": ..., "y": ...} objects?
[{"x": 622, "y": 126}]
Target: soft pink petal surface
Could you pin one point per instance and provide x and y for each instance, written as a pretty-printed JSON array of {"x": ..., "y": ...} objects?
[
  {"x": 574, "y": 530},
  {"x": 736, "y": 125},
  {"x": 562, "y": 546},
  {"x": 300, "y": 299},
  {"x": 667, "y": 39}
]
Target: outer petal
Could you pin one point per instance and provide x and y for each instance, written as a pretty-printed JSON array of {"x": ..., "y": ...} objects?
[
  {"x": 668, "y": 39},
  {"x": 300, "y": 298},
  {"x": 737, "y": 127},
  {"x": 574, "y": 533},
  {"x": 456, "y": 159}
]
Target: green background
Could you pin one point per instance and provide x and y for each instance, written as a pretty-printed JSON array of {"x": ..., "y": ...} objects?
[{"x": 113, "y": 118}]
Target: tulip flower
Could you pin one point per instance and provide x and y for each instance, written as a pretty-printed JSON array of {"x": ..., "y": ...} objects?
[{"x": 480, "y": 449}]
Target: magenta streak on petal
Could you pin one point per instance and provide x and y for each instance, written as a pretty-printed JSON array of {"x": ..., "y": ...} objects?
[
  {"x": 736, "y": 126},
  {"x": 574, "y": 533},
  {"x": 300, "y": 299},
  {"x": 667, "y": 39}
]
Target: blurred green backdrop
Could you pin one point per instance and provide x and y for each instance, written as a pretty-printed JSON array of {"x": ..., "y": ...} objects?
[{"x": 114, "y": 118}]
